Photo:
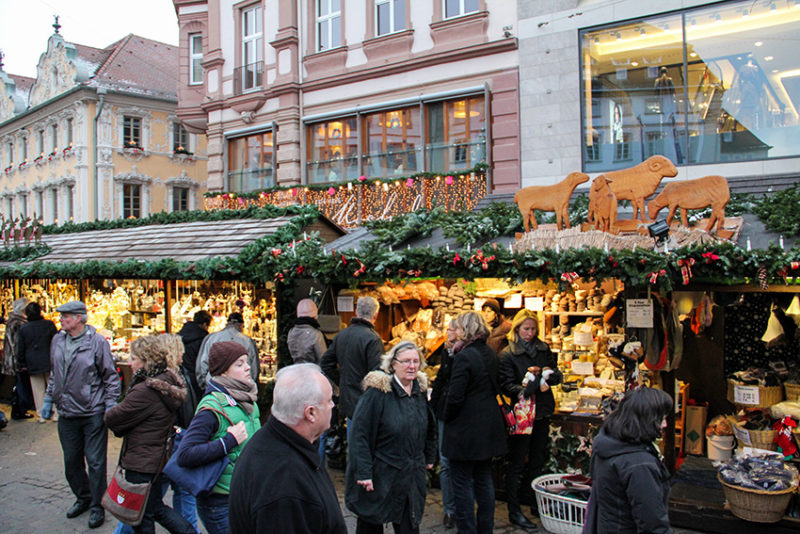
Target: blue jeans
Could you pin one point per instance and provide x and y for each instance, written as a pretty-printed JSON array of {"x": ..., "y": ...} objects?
[
  {"x": 214, "y": 517},
  {"x": 85, "y": 438},
  {"x": 472, "y": 482},
  {"x": 448, "y": 500},
  {"x": 156, "y": 510}
]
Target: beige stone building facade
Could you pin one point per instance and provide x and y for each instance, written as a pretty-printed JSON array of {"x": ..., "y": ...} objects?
[{"x": 96, "y": 135}]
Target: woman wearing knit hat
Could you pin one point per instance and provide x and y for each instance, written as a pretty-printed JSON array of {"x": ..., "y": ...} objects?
[
  {"x": 226, "y": 418},
  {"x": 499, "y": 327}
]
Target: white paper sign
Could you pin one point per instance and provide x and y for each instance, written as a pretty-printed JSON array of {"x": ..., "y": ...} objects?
[
  {"x": 513, "y": 301},
  {"x": 534, "y": 303},
  {"x": 583, "y": 338},
  {"x": 582, "y": 368},
  {"x": 345, "y": 303},
  {"x": 478, "y": 306},
  {"x": 742, "y": 435},
  {"x": 746, "y": 395},
  {"x": 639, "y": 313}
]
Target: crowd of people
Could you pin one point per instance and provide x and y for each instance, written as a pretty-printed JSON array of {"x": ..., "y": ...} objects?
[{"x": 194, "y": 395}]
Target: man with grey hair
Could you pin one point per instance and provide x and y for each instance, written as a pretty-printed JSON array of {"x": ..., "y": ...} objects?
[
  {"x": 233, "y": 331},
  {"x": 305, "y": 340},
  {"x": 83, "y": 384},
  {"x": 279, "y": 484},
  {"x": 355, "y": 351}
]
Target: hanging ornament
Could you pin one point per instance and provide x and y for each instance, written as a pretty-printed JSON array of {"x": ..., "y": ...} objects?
[
  {"x": 362, "y": 178},
  {"x": 762, "y": 277},
  {"x": 331, "y": 191},
  {"x": 569, "y": 277},
  {"x": 410, "y": 182},
  {"x": 655, "y": 274},
  {"x": 448, "y": 180},
  {"x": 478, "y": 257},
  {"x": 276, "y": 252},
  {"x": 686, "y": 269}
]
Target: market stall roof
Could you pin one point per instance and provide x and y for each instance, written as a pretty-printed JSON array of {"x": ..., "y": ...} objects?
[{"x": 189, "y": 242}]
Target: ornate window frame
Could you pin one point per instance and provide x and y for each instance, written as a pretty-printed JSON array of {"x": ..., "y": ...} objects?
[
  {"x": 182, "y": 182},
  {"x": 133, "y": 178}
]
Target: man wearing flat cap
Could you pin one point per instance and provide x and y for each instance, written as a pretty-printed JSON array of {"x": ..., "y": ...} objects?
[
  {"x": 231, "y": 332},
  {"x": 83, "y": 385}
]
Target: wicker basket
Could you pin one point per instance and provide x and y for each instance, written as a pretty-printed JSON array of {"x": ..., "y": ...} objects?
[
  {"x": 761, "y": 439},
  {"x": 767, "y": 395},
  {"x": 792, "y": 391},
  {"x": 757, "y": 505}
]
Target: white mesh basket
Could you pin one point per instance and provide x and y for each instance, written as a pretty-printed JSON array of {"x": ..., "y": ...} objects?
[{"x": 560, "y": 515}]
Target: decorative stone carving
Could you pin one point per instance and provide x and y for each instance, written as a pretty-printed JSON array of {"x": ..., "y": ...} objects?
[
  {"x": 56, "y": 72},
  {"x": 548, "y": 198},
  {"x": 692, "y": 195},
  {"x": 247, "y": 116}
]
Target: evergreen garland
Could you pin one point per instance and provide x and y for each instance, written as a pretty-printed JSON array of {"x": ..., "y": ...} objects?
[{"x": 779, "y": 211}]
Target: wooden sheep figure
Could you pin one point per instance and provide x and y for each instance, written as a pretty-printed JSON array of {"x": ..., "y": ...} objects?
[
  {"x": 639, "y": 182},
  {"x": 548, "y": 198},
  {"x": 691, "y": 195},
  {"x": 603, "y": 205}
]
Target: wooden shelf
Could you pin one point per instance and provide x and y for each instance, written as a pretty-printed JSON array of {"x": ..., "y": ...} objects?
[{"x": 575, "y": 314}]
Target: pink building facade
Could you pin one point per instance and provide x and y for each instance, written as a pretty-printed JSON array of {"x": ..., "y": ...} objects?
[{"x": 297, "y": 92}]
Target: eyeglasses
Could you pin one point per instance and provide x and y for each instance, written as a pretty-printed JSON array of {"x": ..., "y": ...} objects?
[{"x": 406, "y": 363}]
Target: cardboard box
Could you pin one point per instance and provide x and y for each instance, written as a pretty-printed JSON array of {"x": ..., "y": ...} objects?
[{"x": 695, "y": 431}]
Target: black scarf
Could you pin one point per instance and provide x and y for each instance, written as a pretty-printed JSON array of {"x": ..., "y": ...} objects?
[{"x": 307, "y": 320}]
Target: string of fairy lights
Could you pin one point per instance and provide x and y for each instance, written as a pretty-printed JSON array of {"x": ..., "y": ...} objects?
[{"x": 351, "y": 204}]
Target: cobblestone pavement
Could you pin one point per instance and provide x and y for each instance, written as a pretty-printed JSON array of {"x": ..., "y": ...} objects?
[{"x": 35, "y": 495}]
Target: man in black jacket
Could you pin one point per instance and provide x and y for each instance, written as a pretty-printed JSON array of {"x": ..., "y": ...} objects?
[
  {"x": 192, "y": 334},
  {"x": 355, "y": 351},
  {"x": 279, "y": 484}
]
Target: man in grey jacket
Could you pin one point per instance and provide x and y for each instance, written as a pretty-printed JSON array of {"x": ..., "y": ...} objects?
[
  {"x": 231, "y": 332},
  {"x": 306, "y": 341},
  {"x": 83, "y": 384}
]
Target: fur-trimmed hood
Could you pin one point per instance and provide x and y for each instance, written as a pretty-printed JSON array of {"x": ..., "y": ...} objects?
[
  {"x": 170, "y": 386},
  {"x": 382, "y": 381}
]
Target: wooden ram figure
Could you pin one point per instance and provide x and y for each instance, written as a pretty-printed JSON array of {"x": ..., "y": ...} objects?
[
  {"x": 639, "y": 182},
  {"x": 602, "y": 205},
  {"x": 548, "y": 198},
  {"x": 692, "y": 195}
]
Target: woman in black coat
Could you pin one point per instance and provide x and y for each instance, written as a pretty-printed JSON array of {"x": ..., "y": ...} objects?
[
  {"x": 526, "y": 350},
  {"x": 474, "y": 430},
  {"x": 33, "y": 351},
  {"x": 392, "y": 442},
  {"x": 630, "y": 484}
]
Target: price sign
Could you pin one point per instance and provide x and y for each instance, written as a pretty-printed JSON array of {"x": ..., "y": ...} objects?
[
  {"x": 746, "y": 395},
  {"x": 534, "y": 303},
  {"x": 742, "y": 435},
  {"x": 583, "y": 368},
  {"x": 639, "y": 313},
  {"x": 345, "y": 303},
  {"x": 513, "y": 301}
]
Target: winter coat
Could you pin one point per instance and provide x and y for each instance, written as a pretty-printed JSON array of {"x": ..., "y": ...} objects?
[
  {"x": 207, "y": 439},
  {"x": 514, "y": 363},
  {"x": 630, "y": 489},
  {"x": 33, "y": 345},
  {"x": 279, "y": 485},
  {"x": 442, "y": 382},
  {"x": 473, "y": 427},
  {"x": 392, "y": 438},
  {"x": 355, "y": 351},
  {"x": 91, "y": 384},
  {"x": 229, "y": 333},
  {"x": 144, "y": 419},
  {"x": 498, "y": 338},
  {"x": 306, "y": 341},
  {"x": 192, "y": 335},
  {"x": 13, "y": 324}
]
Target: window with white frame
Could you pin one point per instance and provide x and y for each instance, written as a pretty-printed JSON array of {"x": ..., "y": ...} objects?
[
  {"x": 329, "y": 24},
  {"x": 131, "y": 201},
  {"x": 23, "y": 145},
  {"x": 390, "y": 16},
  {"x": 53, "y": 205},
  {"x": 195, "y": 58},
  {"x": 69, "y": 206},
  {"x": 69, "y": 133},
  {"x": 180, "y": 138},
  {"x": 39, "y": 212},
  {"x": 9, "y": 207},
  {"x": 457, "y": 8},
  {"x": 40, "y": 143},
  {"x": 23, "y": 205},
  {"x": 131, "y": 132},
  {"x": 180, "y": 198},
  {"x": 9, "y": 153},
  {"x": 54, "y": 137},
  {"x": 252, "y": 48}
]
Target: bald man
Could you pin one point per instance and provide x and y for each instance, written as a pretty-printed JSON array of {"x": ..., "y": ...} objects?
[{"x": 305, "y": 340}]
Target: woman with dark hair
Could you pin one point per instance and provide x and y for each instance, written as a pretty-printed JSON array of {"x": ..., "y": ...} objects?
[
  {"x": 499, "y": 327},
  {"x": 33, "y": 351},
  {"x": 630, "y": 484},
  {"x": 474, "y": 431},
  {"x": 392, "y": 442},
  {"x": 525, "y": 351}
]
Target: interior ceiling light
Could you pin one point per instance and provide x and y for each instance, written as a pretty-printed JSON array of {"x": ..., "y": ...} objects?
[
  {"x": 768, "y": 58},
  {"x": 759, "y": 43}
]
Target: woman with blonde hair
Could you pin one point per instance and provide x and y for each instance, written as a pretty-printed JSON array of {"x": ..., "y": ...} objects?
[
  {"x": 392, "y": 442},
  {"x": 526, "y": 351},
  {"x": 144, "y": 421},
  {"x": 474, "y": 430}
]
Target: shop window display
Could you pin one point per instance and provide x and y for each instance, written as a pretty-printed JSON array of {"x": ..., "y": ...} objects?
[{"x": 707, "y": 85}]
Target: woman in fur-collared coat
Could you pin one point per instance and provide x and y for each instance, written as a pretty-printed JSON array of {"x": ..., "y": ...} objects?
[{"x": 392, "y": 442}]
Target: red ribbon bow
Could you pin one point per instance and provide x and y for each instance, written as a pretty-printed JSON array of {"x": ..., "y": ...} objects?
[
  {"x": 710, "y": 256},
  {"x": 569, "y": 277},
  {"x": 686, "y": 269},
  {"x": 411, "y": 272},
  {"x": 795, "y": 265},
  {"x": 478, "y": 257},
  {"x": 276, "y": 252},
  {"x": 361, "y": 269},
  {"x": 456, "y": 259},
  {"x": 655, "y": 274}
]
